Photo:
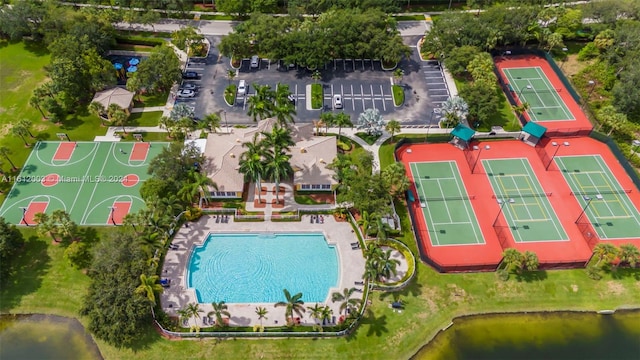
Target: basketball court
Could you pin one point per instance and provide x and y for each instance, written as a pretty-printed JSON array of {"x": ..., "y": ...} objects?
[
  {"x": 606, "y": 205},
  {"x": 96, "y": 183}
]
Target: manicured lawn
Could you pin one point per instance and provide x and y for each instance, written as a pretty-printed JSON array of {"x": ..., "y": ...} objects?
[
  {"x": 155, "y": 99},
  {"x": 317, "y": 96},
  {"x": 409, "y": 17},
  {"x": 131, "y": 47},
  {"x": 145, "y": 119},
  {"x": 398, "y": 95},
  {"x": 230, "y": 94},
  {"x": 306, "y": 200},
  {"x": 369, "y": 139}
]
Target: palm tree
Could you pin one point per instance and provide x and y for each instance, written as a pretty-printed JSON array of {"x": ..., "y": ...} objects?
[
  {"x": 251, "y": 163},
  {"x": 345, "y": 299},
  {"x": 318, "y": 124},
  {"x": 386, "y": 265},
  {"x": 45, "y": 226},
  {"x": 531, "y": 261},
  {"x": 98, "y": 110},
  {"x": 202, "y": 182},
  {"x": 316, "y": 76},
  {"x": 188, "y": 193},
  {"x": 328, "y": 118},
  {"x": 316, "y": 311},
  {"x": 171, "y": 205},
  {"x": 150, "y": 241},
  {"x": 284, "y": 112},
  {"x": 210, "y": 122},
  {"x": 604, "y": 251},
  {"x": 513, "y": 259},
  {"x": 184, "y": 314},
  {"x": 522, "y": 108},
  {"x": 293, "y": 304},
  {"x": 149, "y": 287},
  {"x": 261, "y": 103},
  {"x": 326, "y": 313},
  {"x": 629, "y": 254},
  {"x": 231, "y": 74},
  {"x": 19, "y": 130},
  {"x": 262, "y": 313},
  {"x": 398, "y": 74},
  {"x": 26, "y": 124},
  {"x": 112, "y": 109},
  {"x": 34, "y": 101},
  {"x": 278, "y": 168},
  {"x": 341, "y": 120},
  {"x": 395, "y": 178},
  {"x": 455, "y": 109},
  {"x": 365, "y": 221},
  {"x": 392, "y": 127},
  {"x": 193, "y": 311},
  {"x": 219, "y": 309},
  {"x": 119, "y": 118},
  {"x": 278, "y": 139}
]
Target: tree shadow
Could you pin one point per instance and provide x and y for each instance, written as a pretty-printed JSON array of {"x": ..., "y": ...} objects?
[
  {"x": 36, "y": 48},
  {"x": 29, "y": 266},
  {"x": 377, "y": 326},
  {"x": 621, "y": 273},
  {"x": 71, "y": 123},
  {"x": 530, "y": 276},
  {"x": 414, "y": 289}
]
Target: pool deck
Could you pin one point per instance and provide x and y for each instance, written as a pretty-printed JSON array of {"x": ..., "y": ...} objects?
[{"x": 177, "y": 295}]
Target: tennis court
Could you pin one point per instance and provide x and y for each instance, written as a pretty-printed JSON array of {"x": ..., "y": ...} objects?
[
  {"x": 531, "y": 85},
  {"x": 605, "y": 203},
  {"x": 445, "y": 204},
  {"x": 523, "y": 203},
  {"x": 97, "y": 183}
]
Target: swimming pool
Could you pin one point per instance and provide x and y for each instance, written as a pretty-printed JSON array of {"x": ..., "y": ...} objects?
[{"x": 255, "y": 268}]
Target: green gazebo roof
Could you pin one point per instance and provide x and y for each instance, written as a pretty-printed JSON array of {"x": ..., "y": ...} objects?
[
  {"x": 462, "y": 132},
  {"x": 534, "y": 129}
]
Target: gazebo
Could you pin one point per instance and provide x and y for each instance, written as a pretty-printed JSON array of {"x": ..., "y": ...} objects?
[
  {"x": 461, "y": 136},
  {"x": 532, "y": 133},
  {"x": 116, "y": 95}
]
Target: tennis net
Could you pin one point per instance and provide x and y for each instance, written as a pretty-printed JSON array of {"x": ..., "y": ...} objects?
[
  {"x": 469, "y": 197},
  {"x": 519, "y": 195},
  {"x": 604, "y": 192}
]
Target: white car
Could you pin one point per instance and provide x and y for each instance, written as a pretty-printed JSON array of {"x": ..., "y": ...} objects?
[
  {"x": 337, "y": 101},
  {"x": 242, "y": 88},
  {"x": 186, "y": 93},
  {"x": 189, "y": 86},
  {"x": 255, "y": 61}
]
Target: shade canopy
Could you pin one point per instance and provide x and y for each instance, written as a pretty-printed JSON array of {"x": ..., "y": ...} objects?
[
  {"x": 117, "y": 66},
  {"x": 463, "y": 133},
  {"x": 134, "y": 61},
  {"x": 132, "y": 69},
  {"x": 534, "y": 129}
]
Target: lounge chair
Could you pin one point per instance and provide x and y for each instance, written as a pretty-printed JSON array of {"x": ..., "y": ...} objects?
[
  {"x": 205, "y": 320},
  {"x": 218, "y": 219},
  {"x": 165, "y": 282},
  {"x": 355, "y": 244},
  {"x": 358, "y": 290},
  {"x": 333, "y": 319},
  {"x": 358, "y": 282},
  {"x": 311, "y": 219}
]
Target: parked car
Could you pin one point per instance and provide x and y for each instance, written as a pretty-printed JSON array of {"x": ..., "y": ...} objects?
[
  {"x": 186, "y": 93},
  {"x": 189, "y": 86},
  {"x": 337, "y": 101},
  {"x": 242, "y": 88},
  {"x": 255, "y": 61},
  {"x": 190, "y": 75}
]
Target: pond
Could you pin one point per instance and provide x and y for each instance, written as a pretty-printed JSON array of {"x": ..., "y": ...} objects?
[
  {"x": 45, "y": 337},
  {"x": 563, "y": 335}
]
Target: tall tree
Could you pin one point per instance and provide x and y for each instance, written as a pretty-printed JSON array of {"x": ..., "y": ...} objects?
[
  {"x": 292, "y": 304},
  {"x": 629, "y": 254},
  {"x": 346, "y": 300},
  {"x": 278, "y": 169},
  {"x": 252, "y": 164},
  {"x": 220, "y": 309},
  {"x": 98, "y": 110},
  {"x": 149, "y": 287},
  {"x": 261, "y": 104},
  {"x": 342, "y": 120},
  {"x": 392, "y": 127},
  {"x": 11, "y": 241}
]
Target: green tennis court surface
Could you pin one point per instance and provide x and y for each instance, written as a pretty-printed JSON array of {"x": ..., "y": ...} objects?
[
  {"x": 607, "y": 205},
  {"x": 445, "y": 204},
  {"x": 525, "y": 205},
  {"x": 532, "y": 86},
  {"x": 97, "y": 183}
]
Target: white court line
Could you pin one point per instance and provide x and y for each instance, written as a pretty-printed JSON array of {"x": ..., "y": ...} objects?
[
  {"x": 433, "y": 235},
  {"x": 555, "y": 94},
  {"x": 85, "y": 177},
  {"x": 608, "y": 174},
  {"x": 465, "y": 202},
  {"x": 446, "y": 206}
]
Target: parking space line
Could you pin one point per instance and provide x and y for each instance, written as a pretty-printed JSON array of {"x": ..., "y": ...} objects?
[
  {"x": 384, "y": 106},
  {"x": 353, "y": 99},
  {"x": 373, "y": 101},
  {"x": 362, "y": 94}
]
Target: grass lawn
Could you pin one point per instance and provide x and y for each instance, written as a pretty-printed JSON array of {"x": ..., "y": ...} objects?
[
  {"x": 317, "y": 96},
  {"x": 398, "y": 95},
  {"x": 230, "y": 94},
  {"x": 132, "y": 47},
  {"x": 145, "y": 119},
  {"x": 306, "y": 200},
  {"x": 155, "y": 99},
  {"x": 369, "y": 139}
]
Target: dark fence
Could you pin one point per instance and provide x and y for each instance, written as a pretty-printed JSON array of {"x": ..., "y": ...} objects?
[{"x": 619, "y": 156}]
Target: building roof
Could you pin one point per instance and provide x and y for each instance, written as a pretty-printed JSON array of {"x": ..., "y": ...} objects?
[
  {"x": 534, "y": 129},
  {"x": 117, "y": 95},
  {"x": 462, "y": 132},
  {"x": 309, "y": 157}
]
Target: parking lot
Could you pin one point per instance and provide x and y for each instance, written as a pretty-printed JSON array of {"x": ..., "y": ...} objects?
[{"x": 361, "y": 82}]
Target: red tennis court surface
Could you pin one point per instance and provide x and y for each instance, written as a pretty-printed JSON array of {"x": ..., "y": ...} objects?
[
  {"x": 552, "y": 254},
  {"x": 34, "y": 208},
  {"x": 140, "y": 151},
  {"x": 64, "y": 151},
  {"x": 580, "y": 126}
]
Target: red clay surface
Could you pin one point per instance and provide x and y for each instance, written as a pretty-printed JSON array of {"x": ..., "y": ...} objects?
[
  {"x": 50, "y": 180},
  {"x": 130, "y": 180},
  {"x": 121, "y": 210},
  {"x": 34, "y": 208},
  {"x": 581, "y": 124},
  {"x": 574, "y": 252},
  {"x": 64, "y": 151},
  {"x": 139, "y": 151}
]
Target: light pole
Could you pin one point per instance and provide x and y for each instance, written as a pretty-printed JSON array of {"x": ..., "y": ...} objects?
[
  {"x": 634, "y": 147},
  {"x": 486, "y": 147},
  {"x": 593, "y": 86},
  {"x": 113, "y": 221},
  {"x": 24, "y": 216},
  {"x": 502, "y": 204},
  {"x": 564, "y": 59},
  {"x": 557, "y": 146},
  {"x": 586, "y": 206},
  {"x": 226, "y": 124},
  {"x": 528, "y": 87},
  {"x": 433, "y": 112}
]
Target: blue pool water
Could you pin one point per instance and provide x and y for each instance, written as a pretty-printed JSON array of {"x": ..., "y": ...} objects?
[{"x": 255, "y": 268}]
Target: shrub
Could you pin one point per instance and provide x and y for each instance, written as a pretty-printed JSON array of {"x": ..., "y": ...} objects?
[
  {"x": 316, "y": 96},
  {"x": 593, "y": 272},
  {"x": 502, "y": 274},
  {"x": 230, "y": 94},
  {"x": 193, "y": 214},
  {"x": 139, "y": 40},
  {"x": 398, "y": 95},
  {"x": 343, "y": 146},
  {"x": 78, "y": 255},
  {"x": 590, "y": 51}
]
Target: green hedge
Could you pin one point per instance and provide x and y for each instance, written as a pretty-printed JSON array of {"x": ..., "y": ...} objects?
[
  {"x": 317, "y": 96},
  {"x": 139, "y": 40},
  {"x": 398, "y": 95}
]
